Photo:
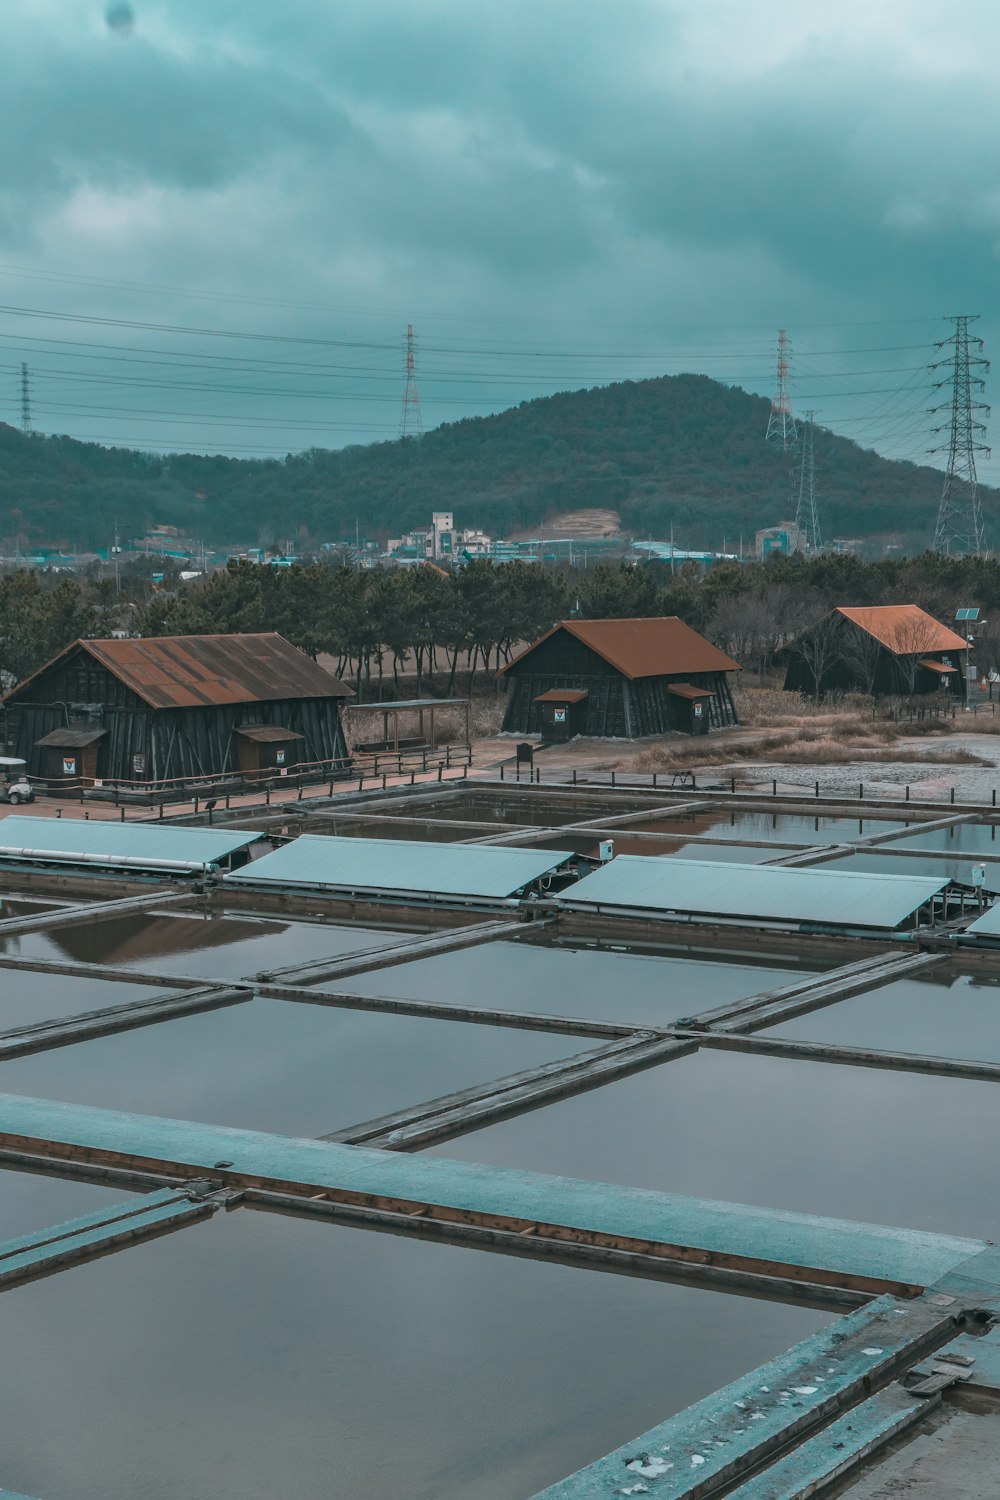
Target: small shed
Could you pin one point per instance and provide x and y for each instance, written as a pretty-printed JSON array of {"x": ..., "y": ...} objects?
[
  {"x": 176, "y": 707},
  {"x": 69, "y": 753},
  {"x": 563, "y": 712},
  {"x": 619, "y": 679}
]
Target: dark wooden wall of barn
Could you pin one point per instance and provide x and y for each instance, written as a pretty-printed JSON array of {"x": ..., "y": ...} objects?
[
  {"x": 173, "y": 741},
  {"x": 616, "y": 707},
  {"x": 891, "y": 678}
]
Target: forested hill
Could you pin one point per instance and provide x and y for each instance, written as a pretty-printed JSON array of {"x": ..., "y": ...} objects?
[{"x": 681, "y": 451}]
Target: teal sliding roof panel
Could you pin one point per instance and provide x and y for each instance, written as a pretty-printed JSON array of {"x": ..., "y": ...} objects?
[
  {"x": 91, "y": 841},
  {"x": 691, "y": 887},
  {"x": 398, "y": 866}
]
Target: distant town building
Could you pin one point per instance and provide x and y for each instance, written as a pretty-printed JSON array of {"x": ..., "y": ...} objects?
[
  {"x": 440, "y": 542},
  {"x": 175, "y": 706},
  {"x": 619, "y": 679},
  {"x": 784, "y": 539}
]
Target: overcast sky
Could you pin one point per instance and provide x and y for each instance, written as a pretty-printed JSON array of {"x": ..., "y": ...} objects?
[{"x": 554, "y": 192}]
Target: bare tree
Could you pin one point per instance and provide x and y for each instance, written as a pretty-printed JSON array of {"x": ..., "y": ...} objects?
[
  {"x": 863, "y": 654},
  {"x": 819, "y": 648},
  {"x": 735, "y": 629},
  {"x": 912, "y": 638}
]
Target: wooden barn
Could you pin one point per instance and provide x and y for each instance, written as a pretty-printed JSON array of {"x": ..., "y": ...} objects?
[
  {"x": 175, "y": 706},
  {"x": 618, "y": 679},
  {"x": 883, "y": 649}
]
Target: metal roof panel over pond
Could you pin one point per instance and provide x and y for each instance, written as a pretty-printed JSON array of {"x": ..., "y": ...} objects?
[
  {"x": 110, "y": 841},
  {"x": 704, "y": 888},
  {"x": 988, "y": 925},
  {"x": 397, "y": 865}
]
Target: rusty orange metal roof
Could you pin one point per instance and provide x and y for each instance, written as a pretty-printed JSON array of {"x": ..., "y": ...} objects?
[
  {"x": 563, "y": 695},
  {"x": 198, "y": 671},
  {"x": 904, "y": 629},
  {"x": 659, "y": 646}
]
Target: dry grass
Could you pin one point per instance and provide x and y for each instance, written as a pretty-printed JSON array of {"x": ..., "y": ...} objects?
[
  {"x": 793, "y": 748},
  {"x": 449, "y": 723},
  {"x": 796, "y": 731}
]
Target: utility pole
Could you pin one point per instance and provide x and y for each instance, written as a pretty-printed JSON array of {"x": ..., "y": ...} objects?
[
  {"x": 959, "y": 526},
  {"x": 26, "y": 426},
  {"x": 411, "y": 422},
  {"x": 806, "y": 513},
  {"x": 780, "y": 423}
]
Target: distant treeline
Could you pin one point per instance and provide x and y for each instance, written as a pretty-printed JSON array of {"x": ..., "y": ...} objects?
[
  {"x": 378, "y": 624},
  {"x": 682, "y": 452}
]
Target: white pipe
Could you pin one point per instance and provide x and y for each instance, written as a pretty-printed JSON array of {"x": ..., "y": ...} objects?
[{"x": 114, "y": 861}]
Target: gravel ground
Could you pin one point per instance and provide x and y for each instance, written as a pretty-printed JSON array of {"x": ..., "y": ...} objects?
[{"x": 885, "y": 778}]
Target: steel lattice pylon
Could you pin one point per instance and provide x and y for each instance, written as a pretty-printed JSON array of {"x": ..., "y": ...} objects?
[
  {"x": 959, "y": 526},
  {"x": 806, "y": 512},
  {"x": 780, "y": 423},
  {"x": 411, "y": 422},
  {"x": 26, "y": 427}
]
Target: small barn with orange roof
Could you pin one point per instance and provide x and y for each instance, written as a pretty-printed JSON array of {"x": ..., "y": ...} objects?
[
  {"x": 878, "y": 649},
  {"x": 618, "y": 679}
]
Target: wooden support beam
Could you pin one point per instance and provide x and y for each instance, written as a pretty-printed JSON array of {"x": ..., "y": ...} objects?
[
  {"x": 442, "y": 1010},
  {"x": 98, "y": 911},
  {"x": 389, "y": 955},
  {"x": 115, "y": 973},
  {"x": 816, "y": 989},
  {"x": 827, "y": 994},
  {"x": 855, "y": 1057},
  {"x": 46, "y": 1251},
  {"x": 535, "y": 834},
  {"x": 803, "y": 1248},
  {"x": 67, "y": 1030},
  {"x": 529, "y": 1244},
  {"x": 456, "y": 1114},
  {"x": 839, "y": 1449},
  {"x": 708, "y": 1448}
]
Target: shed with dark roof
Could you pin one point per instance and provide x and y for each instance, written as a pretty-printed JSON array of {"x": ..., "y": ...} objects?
[
  {"x": 176, "y": 707},
  {"x": 619, "y": 679}
]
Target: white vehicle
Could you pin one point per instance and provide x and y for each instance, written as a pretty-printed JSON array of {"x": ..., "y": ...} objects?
[{"x": 14, "y": 784}]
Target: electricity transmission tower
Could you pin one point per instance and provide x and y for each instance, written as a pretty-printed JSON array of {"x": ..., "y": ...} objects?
[
  {"x": 26, "y": 427},
  {"x": 960, "y": 520},
  {"x": 411, "y": 423},
  {"x": 780, "y": 423},
  {"x": 806, "y": 513}
]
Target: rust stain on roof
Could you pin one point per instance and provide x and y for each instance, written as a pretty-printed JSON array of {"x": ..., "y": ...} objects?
[
  {"x": 197, "y": 671},
  {"x": 904, "y": 629},
  {"x": 648, "y": 647}
]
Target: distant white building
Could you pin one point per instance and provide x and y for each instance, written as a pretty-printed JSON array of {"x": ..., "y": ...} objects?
[{"x": 441, "y": 542}]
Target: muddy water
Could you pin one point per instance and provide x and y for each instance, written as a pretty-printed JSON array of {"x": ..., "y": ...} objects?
[{"x": 257, "y": 1356}]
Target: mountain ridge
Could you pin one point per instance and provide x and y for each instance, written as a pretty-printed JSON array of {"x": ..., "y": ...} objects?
[{"x": 680, "y": 451}]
